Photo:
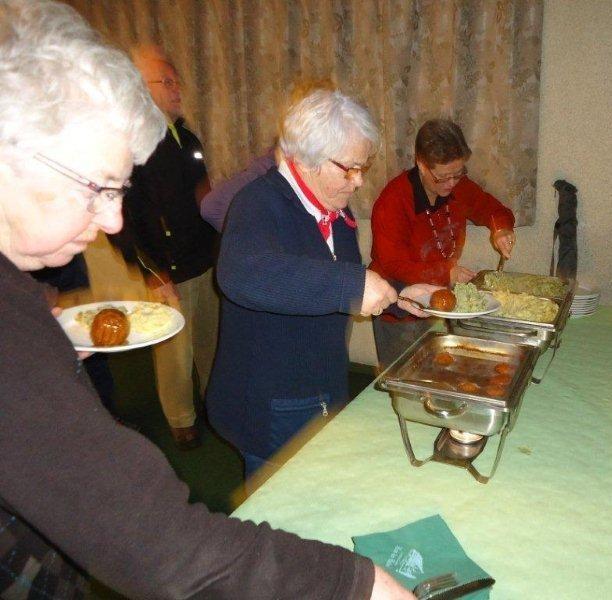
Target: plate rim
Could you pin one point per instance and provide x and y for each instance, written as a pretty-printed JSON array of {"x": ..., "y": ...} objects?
[{"x": 67, "y": 314}]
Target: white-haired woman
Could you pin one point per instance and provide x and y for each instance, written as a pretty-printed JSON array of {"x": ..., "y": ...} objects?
[
  {"x": 79, "y": 492},
  {"x": 291, "y": 273}
]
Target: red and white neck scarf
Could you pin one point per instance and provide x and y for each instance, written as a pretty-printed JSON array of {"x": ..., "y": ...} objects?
[{"x": 327, "y": 216}]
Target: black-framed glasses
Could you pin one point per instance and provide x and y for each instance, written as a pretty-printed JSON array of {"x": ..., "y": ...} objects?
[
  {"x": 456, "y": 177},
  {"x": 104, "y": 195},
  {"x": 168, "y": 82},
  {"x": 351, "y": 172}
]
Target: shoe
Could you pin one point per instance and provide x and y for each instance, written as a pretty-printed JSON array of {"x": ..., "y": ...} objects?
[{"x": 186, "y": 438}]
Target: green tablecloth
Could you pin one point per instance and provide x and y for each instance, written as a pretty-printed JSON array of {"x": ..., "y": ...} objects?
[{"x": 541, "y": 527}]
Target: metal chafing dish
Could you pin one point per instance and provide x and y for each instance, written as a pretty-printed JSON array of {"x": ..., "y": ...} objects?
[
  {"x": 540, "y": 335},
  {"x": 425, "y": 391}
]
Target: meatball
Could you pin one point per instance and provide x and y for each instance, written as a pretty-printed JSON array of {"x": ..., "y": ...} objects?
[
  {"x": 495, "y": 391},
  {"x": 444, "y": 359},
  {"x": 110, "y": 327},
  {"x": 505, "y": 369},
  {"x": 443, "y": 300},
  {"x": 469, "y": 387},
  {"x": 500, "y": 379}
]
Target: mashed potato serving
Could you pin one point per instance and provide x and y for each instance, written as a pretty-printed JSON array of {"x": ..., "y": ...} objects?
[
  {"x": 150, "y": 318},
  {"x": 469, "y": 298},
  {"x": 534, "y": 285},
  {"x": 526, "y": 307}
]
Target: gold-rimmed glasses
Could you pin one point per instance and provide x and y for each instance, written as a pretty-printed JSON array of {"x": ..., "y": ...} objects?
[
  {"x": 167, "y": 82},
  {"x": 351, "y": 172}
]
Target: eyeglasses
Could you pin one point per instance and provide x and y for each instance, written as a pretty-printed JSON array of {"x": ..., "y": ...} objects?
[
  {"x": 168, "y": 82},
  {"x": 351, "y": 172},
  {"x": 103, "y": 197},
  {"x": 458, "y": 177}
]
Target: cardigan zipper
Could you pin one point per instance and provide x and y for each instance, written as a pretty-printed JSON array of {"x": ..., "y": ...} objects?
[{"x": 324, "y": 410}]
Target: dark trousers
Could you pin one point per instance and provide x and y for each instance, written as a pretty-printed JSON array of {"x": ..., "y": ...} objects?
[{"x": 393, "y": 338}]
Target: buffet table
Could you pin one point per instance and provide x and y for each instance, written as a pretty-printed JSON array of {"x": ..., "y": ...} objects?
[{"x": 542, "y": 527}]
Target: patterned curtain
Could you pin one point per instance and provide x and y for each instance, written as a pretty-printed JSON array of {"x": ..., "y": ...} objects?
[{"x": 476, "y": 61}]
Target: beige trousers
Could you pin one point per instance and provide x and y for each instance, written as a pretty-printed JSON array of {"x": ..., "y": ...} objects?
[{"x": 195, "y": 344}]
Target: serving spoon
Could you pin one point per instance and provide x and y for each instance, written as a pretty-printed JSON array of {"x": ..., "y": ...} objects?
[{"x": 500, "y": 264}]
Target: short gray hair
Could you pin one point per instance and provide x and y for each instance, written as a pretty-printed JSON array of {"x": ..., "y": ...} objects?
[
  {"x": 319, "y": 126},
  {"x": 55, "y": 71}
]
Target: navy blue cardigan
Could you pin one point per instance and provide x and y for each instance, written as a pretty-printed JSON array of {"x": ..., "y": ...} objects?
[{"x": 284, "y": 314}]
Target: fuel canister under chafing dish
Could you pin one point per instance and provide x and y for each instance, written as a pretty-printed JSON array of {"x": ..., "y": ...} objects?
[{"x": 460, "y": 383}]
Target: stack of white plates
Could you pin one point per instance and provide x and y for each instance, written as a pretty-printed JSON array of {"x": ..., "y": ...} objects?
[{"x": 586, "y": 301}]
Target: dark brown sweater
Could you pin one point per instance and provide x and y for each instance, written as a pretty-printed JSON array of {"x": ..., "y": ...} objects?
[{"x": 105, "y": 497}]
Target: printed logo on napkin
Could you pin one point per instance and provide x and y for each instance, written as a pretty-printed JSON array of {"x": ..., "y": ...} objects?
[{"x": 406, "y": 563}]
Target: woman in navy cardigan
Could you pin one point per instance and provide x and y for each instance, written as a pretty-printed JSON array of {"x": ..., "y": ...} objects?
[{"x": 291, "y": 273}]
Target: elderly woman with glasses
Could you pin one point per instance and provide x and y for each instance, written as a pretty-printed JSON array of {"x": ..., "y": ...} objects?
[
  {"x": 291, "y": 274},
  {"x": 419, "y": 225},
  {"x": 80, "y": 493}
]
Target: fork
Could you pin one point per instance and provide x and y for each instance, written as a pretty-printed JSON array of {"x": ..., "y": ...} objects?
[
  {"x": 428, "y": 588},
  {"x": 414, "y": 303}
]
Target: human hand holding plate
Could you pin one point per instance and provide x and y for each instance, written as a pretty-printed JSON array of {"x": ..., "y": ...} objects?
[{"x": 409, "y": 298}]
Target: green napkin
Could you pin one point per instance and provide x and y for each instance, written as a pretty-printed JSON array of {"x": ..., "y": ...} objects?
[{"x": 419, "y": 551}]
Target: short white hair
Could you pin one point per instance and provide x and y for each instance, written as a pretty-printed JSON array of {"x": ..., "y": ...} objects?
[
  {"x": 319, "y": 127},
  {"x": 55, "y": 71}
]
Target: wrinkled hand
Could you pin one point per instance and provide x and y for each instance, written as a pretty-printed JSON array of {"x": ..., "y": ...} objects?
[
  {"x": 459, "y": 274},
  {"x": 387, "y": 588},
  {"x": 56, "y": 311},
  {"x": 377, "y": 295},
  {"x": 503, "y": 241},
  {"x": 414, "y": 291},
  {"x": 166, "y": 294}
]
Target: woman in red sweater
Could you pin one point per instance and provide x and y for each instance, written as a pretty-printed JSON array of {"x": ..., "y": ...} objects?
[{"x": 418, "y": 226}]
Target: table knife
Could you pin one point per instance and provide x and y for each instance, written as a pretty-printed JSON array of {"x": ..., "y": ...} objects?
[{"x": 465, "y": 588}]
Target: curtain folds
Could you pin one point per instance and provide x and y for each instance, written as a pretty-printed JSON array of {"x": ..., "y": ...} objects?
[{"x": 476, "y": 61}]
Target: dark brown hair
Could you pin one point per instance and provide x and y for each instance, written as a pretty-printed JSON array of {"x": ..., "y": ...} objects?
[{"x": 440, "y": 141}]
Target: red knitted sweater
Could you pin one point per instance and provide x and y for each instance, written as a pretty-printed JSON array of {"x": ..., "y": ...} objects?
[{"x": 403, "y": 243}]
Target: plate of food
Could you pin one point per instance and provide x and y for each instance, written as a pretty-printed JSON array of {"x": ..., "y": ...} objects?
[
  {"x": 465, "y": 301},
  {"x": 119, "y": 325}
]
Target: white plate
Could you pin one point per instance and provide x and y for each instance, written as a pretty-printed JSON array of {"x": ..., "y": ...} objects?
[
  {"x": 584, "y": 291},
  {"x": 585, "y": 300},
  {"x": 590, "y": 304},
  {"x": 79, "y": 334},
  {"x": 491, "y": 306}
]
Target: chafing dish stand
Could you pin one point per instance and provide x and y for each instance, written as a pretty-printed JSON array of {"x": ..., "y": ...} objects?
[{"x": 451, "y": 452}]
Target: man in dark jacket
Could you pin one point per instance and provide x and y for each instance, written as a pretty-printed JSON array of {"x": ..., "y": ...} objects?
[{"x": 176, "y": 246}]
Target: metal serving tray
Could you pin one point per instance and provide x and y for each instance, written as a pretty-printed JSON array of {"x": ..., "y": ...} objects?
[
  {"x": 540, "y": 335},
  {"x": 531, "y": 332},
  {"x": 427, "y": 392}
]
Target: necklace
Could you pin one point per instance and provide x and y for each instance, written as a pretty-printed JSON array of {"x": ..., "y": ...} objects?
[{"x": 437, "y": 237}]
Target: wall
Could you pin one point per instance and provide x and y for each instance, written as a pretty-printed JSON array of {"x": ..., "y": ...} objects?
[{"x": 575, "y": 144}]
